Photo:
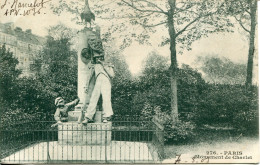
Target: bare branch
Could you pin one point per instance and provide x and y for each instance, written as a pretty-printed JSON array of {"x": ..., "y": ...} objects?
[
  {"x": 181, "y": 10},
  {"x": 161, "y": 23},
  {"x": 150, "y": 11},
  {"x": 192, "y": 22},
  {"x": 242, "y": 6},
  {"x": 248, "y": 12},
  {"x": 191, "y": 28},
  {"x": 241, "y": 24},
  {"x": 189, "y": 24},
  {"x": 153, "y": 4},
  {"x": 122, "y": 17}
]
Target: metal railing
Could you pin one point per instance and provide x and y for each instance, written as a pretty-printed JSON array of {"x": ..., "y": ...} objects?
[{"x": 120, "y": 141}]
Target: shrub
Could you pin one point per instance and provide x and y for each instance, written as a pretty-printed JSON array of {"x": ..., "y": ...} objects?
[
  {"x": 122, "y": 96},
  {"x": 246, "y": 115},
  {"x": 231, "y": 105},
  {"x": 179, "y": 132},
  {"x": 175, "y": 132},
  {"x": 147, "y": 112},
  {"x": 12, "y": 117}
]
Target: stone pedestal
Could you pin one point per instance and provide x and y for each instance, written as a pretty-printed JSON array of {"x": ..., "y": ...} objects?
[
  {"x": 73, "y": 133},
  {"x": 74, "y": 115}
]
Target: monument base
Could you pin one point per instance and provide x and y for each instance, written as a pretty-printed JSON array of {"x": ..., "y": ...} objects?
[
  {"x": 74, "y": 116},
  {"x": 78, "y": 134}
]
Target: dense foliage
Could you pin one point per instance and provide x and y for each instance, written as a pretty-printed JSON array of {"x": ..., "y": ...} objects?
[
  {"x": 200, "y": 103},
  {"x": 12, "y": 93},
  {"x": 121, "y": 83},
  {"x": 8, "y": 74},
  {"x": 59, "y": 68},
  {"x": 56, "y": 76},
  {"x": 221, "y": 70}
]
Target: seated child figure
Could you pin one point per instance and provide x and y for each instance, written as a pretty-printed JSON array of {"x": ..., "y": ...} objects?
[{"x": 61, "y": 114}]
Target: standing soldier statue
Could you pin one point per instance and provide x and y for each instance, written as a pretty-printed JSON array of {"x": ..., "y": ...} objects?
[
  {"x": 102, "y": 73},
  {"x": 99, "y": 72}
]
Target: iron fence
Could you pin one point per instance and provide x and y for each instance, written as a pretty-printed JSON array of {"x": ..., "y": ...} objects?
[{"x": 116, "y": 142}]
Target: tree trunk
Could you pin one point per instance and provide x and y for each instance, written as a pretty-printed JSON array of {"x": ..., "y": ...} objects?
[
  {"x": 251, "y": 51},
  {"x": 173, "y": 67}
]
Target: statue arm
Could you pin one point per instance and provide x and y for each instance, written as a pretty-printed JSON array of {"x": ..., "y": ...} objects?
[
  {"x": 110, "y": 70},
  {"x": 72, "y": 104},
  {"x": 57, "y": 115}
]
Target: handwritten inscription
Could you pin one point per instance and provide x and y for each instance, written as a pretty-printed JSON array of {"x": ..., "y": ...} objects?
[{"x": 20, "y": 7}]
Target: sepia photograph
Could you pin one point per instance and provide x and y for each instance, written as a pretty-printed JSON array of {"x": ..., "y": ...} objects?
[{"x": 129, "y": 81}]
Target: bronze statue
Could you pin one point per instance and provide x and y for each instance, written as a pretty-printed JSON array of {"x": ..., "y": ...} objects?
[
  {"x": 102, "y": 72},
  {"x": 61, "y": 114}
]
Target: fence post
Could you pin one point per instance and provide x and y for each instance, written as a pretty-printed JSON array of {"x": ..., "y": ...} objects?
[
  {"x": 48, "y": 154},
  {"x": 158, "y": 138},
  {"x": 105, "y": 145}
]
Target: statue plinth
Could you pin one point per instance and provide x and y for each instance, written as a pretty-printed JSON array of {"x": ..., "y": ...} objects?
[
  {"x": 73, "y": 133},
  {"x": 74, "y": 115}
]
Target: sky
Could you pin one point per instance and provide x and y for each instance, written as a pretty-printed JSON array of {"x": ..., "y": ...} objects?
[{"x": 230, "y": 45}]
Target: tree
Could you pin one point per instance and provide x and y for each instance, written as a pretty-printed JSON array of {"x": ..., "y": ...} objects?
[
  {"x": 59, "y": 66},
  {"x": 221, "y": 70},
  {"x": 8, "y": 81},
  {"x": 154, "y": 69},
  {"x": 185, "y": 20},
  {"x": 154, "y": 83},
  {"x": 115, "y": 57},
  {"x": 61, "y": 31},
  {"x": 244, "y": 11},
  {"x": 8, "y": 74},
  {"x": 153, "y": 62}
]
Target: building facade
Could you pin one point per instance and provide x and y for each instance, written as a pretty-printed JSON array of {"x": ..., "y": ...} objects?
[{"x": 24, "y": 45}]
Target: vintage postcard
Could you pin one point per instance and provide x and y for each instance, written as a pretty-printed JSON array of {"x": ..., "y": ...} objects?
[{"x": 129, "y": 81}]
